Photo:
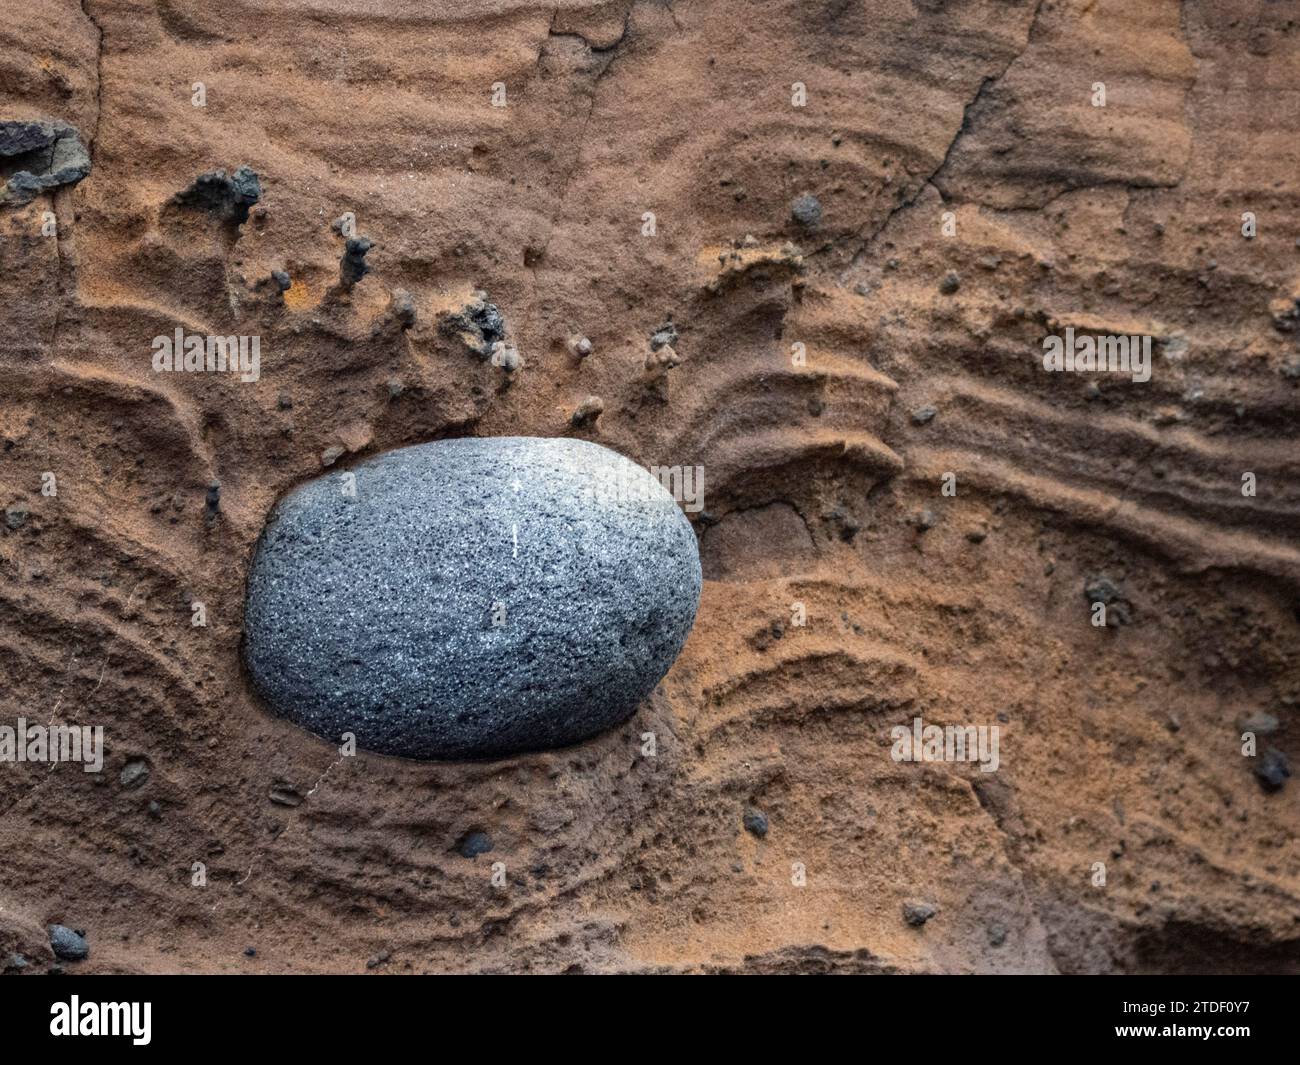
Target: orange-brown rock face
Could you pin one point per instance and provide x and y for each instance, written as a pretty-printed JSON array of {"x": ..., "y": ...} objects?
[{"x": 850, "y": 228}]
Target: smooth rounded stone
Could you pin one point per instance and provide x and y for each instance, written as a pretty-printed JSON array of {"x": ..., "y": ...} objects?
[{"x": 471, "y": 598}]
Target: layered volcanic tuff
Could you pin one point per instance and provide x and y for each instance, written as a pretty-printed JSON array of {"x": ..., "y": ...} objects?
[{"x": 828, "y": 368}]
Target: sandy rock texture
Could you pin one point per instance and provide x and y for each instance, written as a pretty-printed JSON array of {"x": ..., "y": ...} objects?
[{"x": 503, "y": 236}]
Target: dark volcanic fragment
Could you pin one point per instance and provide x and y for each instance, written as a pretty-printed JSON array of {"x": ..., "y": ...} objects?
[
  {"x": 226, "y": 197},
  {"x": 38, "y": 156},
  {"x": 353, "y": 266},
  {"x": 1272, "y": 769},
  {"x": 67, "y": 944},
  {"x": 479, "y": 325}
]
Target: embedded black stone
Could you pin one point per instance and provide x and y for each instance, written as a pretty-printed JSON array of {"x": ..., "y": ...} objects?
[
  {"x": 67, "y": 944},
  {"x": 806, "y": 210},
  {"x": 471, "y": 598},
  {"x": 352, "y": 265},
  {"x": 37, "y": 157},
  {"x": 227, "y": 197},
  {"x": 480, "y": 325}
]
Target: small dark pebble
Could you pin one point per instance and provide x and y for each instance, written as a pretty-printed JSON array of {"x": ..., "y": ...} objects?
[
  {"x": 67, "y": 944},
  {"x": 1272, "y": 769},
  {"x": 917, "y": 913},
  {"x": 848, "y": 525},
  {"x": 1102, "y": 589},
  {"x": 134, "y": 773},
  {"x": 282, "y": 280},
  {"x": 480, "y": 318},
  {"x": 250, "y": 952},
  {"x": 922, "y": 415},
  {"x": 806, "y": 210},
  {"x": 664, "y": 336},
  {"x": 755, "y": 822},
  {"x": 997, "y": 934},
  {"x": 950, "y": 284},
  {"x": 353, "y": 266},
  {"x": 474, "y": 844}
]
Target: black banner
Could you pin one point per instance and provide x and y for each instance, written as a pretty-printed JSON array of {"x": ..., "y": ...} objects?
[{"x": 169, "y": 1013}]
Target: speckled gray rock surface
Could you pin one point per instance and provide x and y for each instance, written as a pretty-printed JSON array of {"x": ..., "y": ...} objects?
[{"x": 471, "y": 598}]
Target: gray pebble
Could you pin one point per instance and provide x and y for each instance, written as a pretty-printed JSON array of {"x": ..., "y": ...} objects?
[
  {"x": 917, "y": 913},
  {"x": 755, "y": 822},
  {"x": 474, "y": 844},
  {"x": 806, "y": 210},
  {"x": 473, "y": 598},
  {"x": 663, "y": 337},
  {"x": 507, "y": 358},
  {"x": 1273, "y": 769},
  {"x": 134, "y": 773},
  {"x": 1101, "y": 589},
  {"x": 67, "y": 944}
]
